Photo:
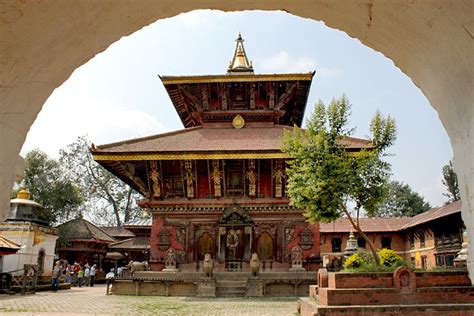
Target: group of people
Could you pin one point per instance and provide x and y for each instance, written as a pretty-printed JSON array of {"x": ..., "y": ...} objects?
[{"x": 75, "y": 274}]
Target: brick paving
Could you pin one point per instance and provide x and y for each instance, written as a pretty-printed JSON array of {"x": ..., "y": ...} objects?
[{"x": 93, "y": 301}]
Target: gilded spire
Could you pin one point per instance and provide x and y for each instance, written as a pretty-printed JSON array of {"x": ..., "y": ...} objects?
[{"x": 240, "y": 63}]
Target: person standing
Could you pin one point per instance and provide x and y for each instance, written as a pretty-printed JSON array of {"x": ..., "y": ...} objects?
[
  {"x": 92, "y": 275},
  {"x": 55, "y": 276},
  {"x": 80, "y": 276},
  {"x": 87, "y": 275}
]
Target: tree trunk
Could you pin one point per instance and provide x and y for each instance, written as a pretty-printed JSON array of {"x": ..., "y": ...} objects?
[
  {"x": 363, "y": 235},
  {"x": 127, "y": 206}
]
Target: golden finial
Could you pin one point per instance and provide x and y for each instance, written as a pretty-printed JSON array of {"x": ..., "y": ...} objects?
[{"x": 23, "y": 194}]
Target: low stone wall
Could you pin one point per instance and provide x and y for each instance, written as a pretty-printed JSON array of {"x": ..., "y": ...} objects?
[
  {"x": 282, "y": 284},
  {"x": 400, "y": 292}
]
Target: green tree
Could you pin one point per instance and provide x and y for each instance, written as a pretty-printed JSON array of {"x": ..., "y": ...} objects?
[
  {"x": 50, "y": 186},
  {"x": 450, "y": 180},
  {"x": 109, "y": 200},
  {"x": 401, "y": 200},
  {"x": 325, "y": 177}
]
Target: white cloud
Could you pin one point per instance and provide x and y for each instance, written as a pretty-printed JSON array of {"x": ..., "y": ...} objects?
[
  {"x": 284, "y": 62},
  {"x": 70, "y": 113}
]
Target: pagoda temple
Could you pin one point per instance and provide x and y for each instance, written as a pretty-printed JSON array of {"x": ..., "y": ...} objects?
[{"x": 218, "y": 186}]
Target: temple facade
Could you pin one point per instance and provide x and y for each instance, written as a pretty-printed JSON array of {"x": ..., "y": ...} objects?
[{"x": 218, "y": 186}]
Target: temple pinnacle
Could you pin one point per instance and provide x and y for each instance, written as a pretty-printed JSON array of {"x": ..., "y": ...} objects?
[{"x": 240, "y": 63}]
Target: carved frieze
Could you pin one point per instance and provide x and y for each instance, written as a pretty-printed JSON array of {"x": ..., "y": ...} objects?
[
  {"x": 271, "y": 95},
  {"x": 271, "y": 229},
  {"x": 189, "y": 178},
  {"x": 306, "y": 238},
  {"x": 164, "y": 240},
  {"x": 181, "y": 235},
  {"x": 252, "y": 178},
  {"x": 289, "y": 235},
  {"x": 278, "y": 174},
  {"x": 155, "y": 177},
  {"x": 205, "y": 98},
  {"x": 223, "y": 96},
  {"x": 253, "y": 95},
  {"x": 216, "y": 178}
]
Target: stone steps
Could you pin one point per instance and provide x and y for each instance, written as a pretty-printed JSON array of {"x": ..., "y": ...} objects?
[
  {"x": 231, "y": 284},
  {"x": 231, "y": 291}
]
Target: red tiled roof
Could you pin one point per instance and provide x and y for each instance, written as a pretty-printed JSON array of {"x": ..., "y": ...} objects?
[
  {"x": 391, "y": 224},
  {"x": 135, "y": 243},
  {"x": 433, "y": 214},
  {"x": 212, "y": 139},
  {"x": 81, "y": 229},
  {"x": 367, "y": 225},
  {"x": 117, "y": 231}
]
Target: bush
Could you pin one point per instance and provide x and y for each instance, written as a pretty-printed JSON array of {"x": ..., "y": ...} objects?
[
  {"x": 363, "y": 261},
  {"x": 390, "y": 258},
  {"x": 354, "y": 261}
]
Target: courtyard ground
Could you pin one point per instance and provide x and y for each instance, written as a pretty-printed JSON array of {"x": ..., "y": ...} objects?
[{"x": 93, "y": 301}]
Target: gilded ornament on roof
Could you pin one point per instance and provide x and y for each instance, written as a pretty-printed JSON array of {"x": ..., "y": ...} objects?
[{"x": 238, "y": 121}]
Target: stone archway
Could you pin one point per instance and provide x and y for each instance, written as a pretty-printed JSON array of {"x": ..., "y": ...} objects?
[{"x": 44, "y": 42}]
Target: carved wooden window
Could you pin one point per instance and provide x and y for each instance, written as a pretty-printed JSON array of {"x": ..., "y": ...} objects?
[
  {"x": 412, "y": 241},
  {"x": 173, "y": 187},
  {"x": 423, "y": 262},
  {"x": 336, "y": 244},
  {"x": 234, "y": 178},
  {"x": 422, "y": 240},
  {"x": 361, "y": 242},
  {"x": 387, "y": 242}
]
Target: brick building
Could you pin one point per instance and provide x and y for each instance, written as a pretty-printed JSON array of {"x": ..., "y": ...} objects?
[{"x": 428, "y": 240}]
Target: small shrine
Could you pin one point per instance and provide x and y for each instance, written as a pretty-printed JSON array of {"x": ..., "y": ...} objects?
[{"x": 33, "y": 239}]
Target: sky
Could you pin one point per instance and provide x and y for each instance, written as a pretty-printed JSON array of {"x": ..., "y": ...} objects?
[{"x": 118, "y": 94}]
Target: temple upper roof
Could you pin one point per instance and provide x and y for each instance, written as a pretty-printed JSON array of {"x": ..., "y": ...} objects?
[
  {"x": 240, "y": 63},
  {"x": 216, "y": 99}
]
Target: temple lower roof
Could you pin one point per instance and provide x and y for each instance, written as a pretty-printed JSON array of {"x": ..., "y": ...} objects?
[{"x": 196, "y": 140}]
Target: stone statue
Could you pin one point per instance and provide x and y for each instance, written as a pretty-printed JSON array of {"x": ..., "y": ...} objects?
[
  {"x": 170, "y": 261},
  {"x": 254, "y": 264},
  {"x": 297, "y": 259},
  {"x": 208, "y": 265}
]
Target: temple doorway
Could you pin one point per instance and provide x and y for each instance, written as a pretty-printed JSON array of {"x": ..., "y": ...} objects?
[
  {"x": 205, "y": 245},
  {"x": 235, "y": 238},
  {"x": 265, "y": 247}
]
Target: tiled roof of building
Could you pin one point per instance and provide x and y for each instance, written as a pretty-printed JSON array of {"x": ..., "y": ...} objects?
[
  {"x": 81, "y": 229},
  {"x": 213, "y": 139},
  {"x": 433, "y": 214},
  {"x": 117, "y": 231},
  {"x": 135, "y": 243},
  {"x": 391, "y": 224},
  {"x": 142, "y": 221},
  {"x": 6, "y": 243},
  {"x": 367, "y": 225}
]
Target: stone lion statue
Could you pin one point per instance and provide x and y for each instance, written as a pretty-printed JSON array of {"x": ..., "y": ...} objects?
[
  {"x": 254, "y": 264},
  {"x": 208, "y": 265}
]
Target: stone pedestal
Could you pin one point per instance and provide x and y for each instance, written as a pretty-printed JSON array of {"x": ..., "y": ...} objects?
[
  {"x": 255, "y": 287},
  {"x": 206, "y": 288}
]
